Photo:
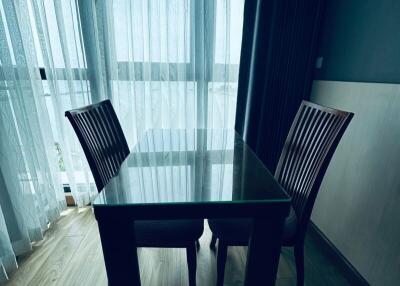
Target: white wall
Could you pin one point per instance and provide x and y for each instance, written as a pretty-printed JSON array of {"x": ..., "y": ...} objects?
[{"x": 358, "y": 207}]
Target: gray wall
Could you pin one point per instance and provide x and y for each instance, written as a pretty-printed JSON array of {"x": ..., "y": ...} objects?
[
  {"x": 358, "y": 207},
  {"x": 360, "y": 41}
]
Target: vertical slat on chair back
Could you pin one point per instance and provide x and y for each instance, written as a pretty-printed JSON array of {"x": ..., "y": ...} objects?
[
  {"x": 102, "y": 139},
  {"x": 312, "y": 140}
]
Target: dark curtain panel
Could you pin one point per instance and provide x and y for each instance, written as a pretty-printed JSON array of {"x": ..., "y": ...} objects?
[{"x": 276, "y": 70}]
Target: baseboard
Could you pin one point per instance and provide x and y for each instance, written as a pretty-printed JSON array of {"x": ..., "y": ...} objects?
[{"x": 349, "y": 271}]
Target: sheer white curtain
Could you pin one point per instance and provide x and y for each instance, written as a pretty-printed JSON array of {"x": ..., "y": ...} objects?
[
  {"x": 38, "y": 150},
  {"x": 59, "y": 45},
  {"x": 167, "y": 64},
  {"x": 164, "y": 63}
]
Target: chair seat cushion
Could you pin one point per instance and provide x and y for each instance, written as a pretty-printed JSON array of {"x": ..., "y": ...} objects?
[
  {"x": 237, "y": 231},
  {"x": 168, "y": 233}
]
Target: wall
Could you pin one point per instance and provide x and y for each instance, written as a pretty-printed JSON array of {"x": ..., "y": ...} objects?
[
  {"x": 358, "y": 207},
  {"x": 360, "y": 41}
]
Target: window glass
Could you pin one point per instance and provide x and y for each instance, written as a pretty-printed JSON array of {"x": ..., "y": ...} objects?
[
  {"x": 221, "y": 104},
  {"x": 221, "y": 184},
  {"x": 68, "y": 24},
  {"x": 229, "y": 17},
  {"x": 152, "y": 31}
]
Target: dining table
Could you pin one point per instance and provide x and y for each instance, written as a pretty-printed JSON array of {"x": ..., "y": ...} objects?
[{"x": 191, "y": 174}]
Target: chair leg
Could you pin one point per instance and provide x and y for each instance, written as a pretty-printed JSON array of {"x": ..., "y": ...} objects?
[
  {"x": 299, "y": 258},
  {"x": 213, "y": 242},
  {"x": 191, "y": 256},
  {"x": 221, "y": 260}
]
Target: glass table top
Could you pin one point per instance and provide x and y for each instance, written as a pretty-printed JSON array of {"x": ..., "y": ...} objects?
[{"x": 191, "y": 166}]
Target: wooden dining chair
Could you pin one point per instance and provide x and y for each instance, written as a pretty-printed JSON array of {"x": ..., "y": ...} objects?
[
  {"x": 311, "y": 142},
  {"x": 105, "y": 147}
]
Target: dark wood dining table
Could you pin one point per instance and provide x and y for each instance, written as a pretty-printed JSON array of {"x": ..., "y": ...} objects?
[{"x": 188, "y": 174}]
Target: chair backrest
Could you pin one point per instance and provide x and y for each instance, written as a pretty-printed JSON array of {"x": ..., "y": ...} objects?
[
  {"x": 311, "y": 142},
  {"x": 102, "y": 139}
]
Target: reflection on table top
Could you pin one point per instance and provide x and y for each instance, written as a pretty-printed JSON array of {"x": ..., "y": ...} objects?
[{"x": 191, "y": 166}]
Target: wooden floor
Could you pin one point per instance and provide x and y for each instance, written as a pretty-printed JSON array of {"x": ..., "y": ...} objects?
[{"x": 71, "y": 254}]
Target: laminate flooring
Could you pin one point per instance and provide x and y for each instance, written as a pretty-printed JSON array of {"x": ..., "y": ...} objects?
[{"x": 71, "y": 254}]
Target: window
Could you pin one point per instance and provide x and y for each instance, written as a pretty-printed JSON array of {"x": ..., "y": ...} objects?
[
  {"x": 162, "y": 57},
  {"x": 187, "y": 48}
]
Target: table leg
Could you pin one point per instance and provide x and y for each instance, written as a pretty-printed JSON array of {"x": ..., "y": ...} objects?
[
  {"x": 119, "y": 250},
  {"x": 264, "y": 251}
]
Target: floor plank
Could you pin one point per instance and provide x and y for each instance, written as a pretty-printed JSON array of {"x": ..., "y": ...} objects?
[{"x": 71, "y": 254}]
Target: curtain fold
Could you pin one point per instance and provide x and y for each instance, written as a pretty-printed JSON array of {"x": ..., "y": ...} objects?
[
  {"x": 58, "y": 27},
  {"x": 31, "y": 192},
  {"x": 42, "y": 73},
  {"x": 276, "y": 70}
]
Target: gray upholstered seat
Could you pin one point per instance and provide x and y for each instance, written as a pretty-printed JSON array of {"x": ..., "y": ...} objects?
[
  {"x": 237, "y": 231},
  {"x": 168, "y": 233}
]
